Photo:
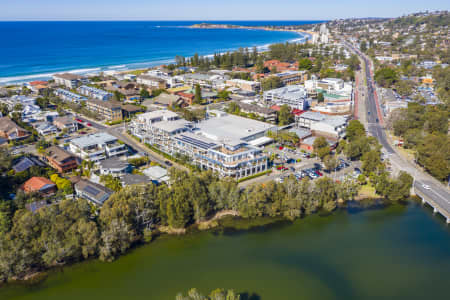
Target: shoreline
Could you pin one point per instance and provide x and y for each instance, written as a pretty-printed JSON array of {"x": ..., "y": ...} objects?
[
  {"x": 133, "y": 66},
  {"x": 227, "y": 220}
]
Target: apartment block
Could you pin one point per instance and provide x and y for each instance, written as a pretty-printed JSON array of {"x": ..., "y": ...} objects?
[
  {"x": 98, "y": 146},
  {"x": 94, "y": 93},
  {"x": 109, "y": 110}
]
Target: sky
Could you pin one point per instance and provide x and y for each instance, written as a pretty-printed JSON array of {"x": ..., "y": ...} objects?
[{"x": 211, "y": 9}]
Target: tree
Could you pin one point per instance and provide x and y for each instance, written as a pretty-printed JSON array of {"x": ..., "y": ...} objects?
[
  {"x": 386, "y": 77},
  {"x": 305, "y": 64},
  {"x": 320, "y": 97},
  {"x": 198, "y": 94},
  {"x": 144, "y": 94},
  {"x": 355, "y": 129},
  {"x": 330, "y": 162},
  {"x": 285, "y": 116},
  {"x": 363, "y": 46},
  {"x": 371, "y": 161},
  {"x": 271, "y": 83},
  {"x": 326, "y": 193},
  {"x": 321, "y": 147}
]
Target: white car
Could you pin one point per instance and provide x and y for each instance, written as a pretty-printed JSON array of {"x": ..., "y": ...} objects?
[{"x": 427, "y": 187}]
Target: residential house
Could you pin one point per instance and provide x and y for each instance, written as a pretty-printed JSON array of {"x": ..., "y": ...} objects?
[
  {"x": 60, "y": 159},
  {"x": 45, "y": 128},
  {"x": 11, "y": 131},
  {"x": 93, "y": 192},
  {"x": 25, "y": 162},
  {"x": 97, "y": 146},
  {"x": 168, "y": 100},
  {"x": 114, "y": 166},
  {"x": 157, "y": 174},
  {"x": 134, "y": 179},
  {"x": 66, "y": 123},
  {"x": 40, "y": 185}
]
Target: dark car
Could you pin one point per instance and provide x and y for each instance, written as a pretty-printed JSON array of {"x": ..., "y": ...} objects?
[{"x": 168, "y": 163}]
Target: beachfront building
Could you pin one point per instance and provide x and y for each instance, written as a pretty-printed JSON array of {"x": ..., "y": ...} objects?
[
  {"x": 69, "y": 80},
  {"x": 332, "y": 127},
  {"x": 293, "y": 95},
  {"x": 98, "y": 146},
  {"x": 226, "y": 144},
  {"x": 94, "y": 93},
  {"x": 66, "y": 95},
  {"x": 246, "y": 85},
  {"x": 109, "y": 110}
]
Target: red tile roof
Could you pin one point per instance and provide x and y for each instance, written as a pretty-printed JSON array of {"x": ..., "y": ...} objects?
[
  {"x": 298, "y": 112},
  {"x": 275, "y": 107},
  {"x": 36, "y": 184},
  {"x": 38, "y": 82}
]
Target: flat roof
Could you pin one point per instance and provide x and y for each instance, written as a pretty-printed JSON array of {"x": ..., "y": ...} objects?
[
  {"x": 93, "y": 139},
  {"x": 158, "y": 114},
  {"x": 232, "y": 129},
  {"x": 155, "y": 172},
  {"x": 170, "y": 126}
]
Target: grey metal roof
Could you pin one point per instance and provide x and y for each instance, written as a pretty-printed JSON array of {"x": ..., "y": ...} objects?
[
  {"x": 113, "y": 163},
  {"x": 93, "y": 139}
]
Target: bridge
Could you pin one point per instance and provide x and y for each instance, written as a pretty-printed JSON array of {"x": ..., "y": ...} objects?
[{"x": 437, "y": 208}]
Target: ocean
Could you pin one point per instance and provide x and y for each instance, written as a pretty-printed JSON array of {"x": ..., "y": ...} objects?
[{"x": 36, "y": 50}]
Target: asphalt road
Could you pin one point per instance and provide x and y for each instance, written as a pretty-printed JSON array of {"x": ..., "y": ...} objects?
[
  {"x": 424, "y": 183},
  {"x": 117, "y": 131}
]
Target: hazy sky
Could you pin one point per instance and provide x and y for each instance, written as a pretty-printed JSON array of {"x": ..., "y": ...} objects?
[{"x": 210, "y": 9}]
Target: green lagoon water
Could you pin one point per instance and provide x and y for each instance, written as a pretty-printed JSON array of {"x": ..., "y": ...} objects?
[{"x": 394, "y": 253}]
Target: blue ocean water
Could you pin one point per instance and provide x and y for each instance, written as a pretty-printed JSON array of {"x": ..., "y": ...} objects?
[{"x": 33, "y": 50}]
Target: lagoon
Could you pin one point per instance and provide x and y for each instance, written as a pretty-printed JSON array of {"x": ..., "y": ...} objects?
[{"x": 399, "y": 252}]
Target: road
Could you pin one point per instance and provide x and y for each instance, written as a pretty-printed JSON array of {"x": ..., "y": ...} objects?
[
  {"x": 437, "y": 193},
  {"x": 118, "y": 132}
]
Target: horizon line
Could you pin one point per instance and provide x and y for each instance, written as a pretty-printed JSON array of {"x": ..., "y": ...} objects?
[{"x": 167, "y": 20}]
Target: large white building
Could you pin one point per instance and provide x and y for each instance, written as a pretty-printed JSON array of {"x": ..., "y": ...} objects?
[
  {"x": 336, "y": 87},
  {"x": 97, "y": 146},
  {"x": 226, "y": 144},
  {"x": 321, "y": 124},
  {"x": 293, "y": 95}
]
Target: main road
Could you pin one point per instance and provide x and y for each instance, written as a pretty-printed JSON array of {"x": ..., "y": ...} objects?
[{"x": 428, "y": 188}]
